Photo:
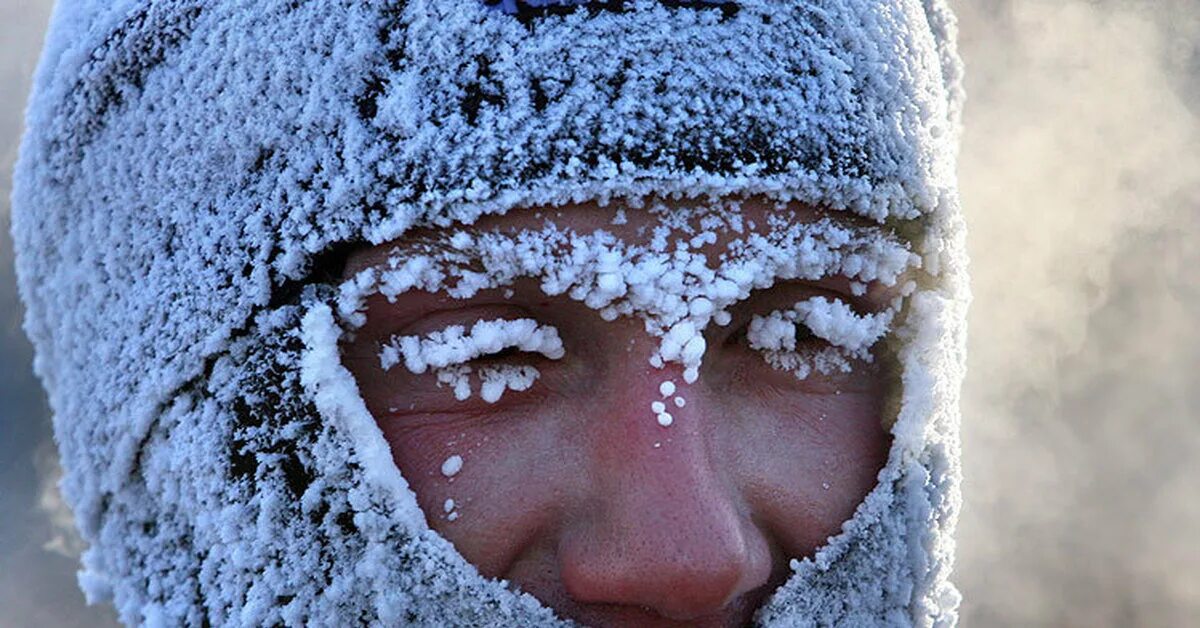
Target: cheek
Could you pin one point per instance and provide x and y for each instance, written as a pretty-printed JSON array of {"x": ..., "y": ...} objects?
[
  {"x": 505, "y": 496},
  {"x": 807, "y": 462}
]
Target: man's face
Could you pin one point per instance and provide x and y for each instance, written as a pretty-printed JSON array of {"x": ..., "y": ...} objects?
[{"x": 595, "y": 471}]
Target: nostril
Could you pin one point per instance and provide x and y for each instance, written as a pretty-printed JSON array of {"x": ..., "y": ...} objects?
[{"x": 700, "y": 592}]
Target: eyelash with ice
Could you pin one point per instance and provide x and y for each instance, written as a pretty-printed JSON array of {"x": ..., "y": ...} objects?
[
  {"x": 850, "y": 336},
  {"x": 448, "y": 353}
]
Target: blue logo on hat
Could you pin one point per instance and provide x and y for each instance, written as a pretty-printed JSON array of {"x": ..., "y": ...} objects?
[{"x": 531, "y": 8}]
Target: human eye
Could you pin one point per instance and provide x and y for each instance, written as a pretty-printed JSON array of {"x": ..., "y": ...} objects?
[
  {"x": 486, "y": 357},
  {"x": 816, "y": 339}
]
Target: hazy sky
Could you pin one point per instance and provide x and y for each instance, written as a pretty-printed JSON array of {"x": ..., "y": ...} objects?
[
  {"x": 1081, "y": 181},
  {"x": 37, "y": 575}
]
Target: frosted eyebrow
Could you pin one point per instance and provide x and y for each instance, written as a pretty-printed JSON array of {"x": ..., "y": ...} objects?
[{"x": 674, "y": 288}]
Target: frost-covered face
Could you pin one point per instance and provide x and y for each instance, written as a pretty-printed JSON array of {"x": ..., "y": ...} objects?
[{"x": 636, "y": 415}]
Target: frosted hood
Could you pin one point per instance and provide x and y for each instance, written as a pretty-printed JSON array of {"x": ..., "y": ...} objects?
[{"x": 189, "y": 164}]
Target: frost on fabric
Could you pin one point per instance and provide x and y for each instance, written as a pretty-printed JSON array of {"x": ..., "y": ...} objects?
[
  {"x": 185, "y": 193},
  {"x": 541, "y": 7}
]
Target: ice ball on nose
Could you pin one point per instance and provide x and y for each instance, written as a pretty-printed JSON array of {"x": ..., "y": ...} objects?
[
  {"x": 693, "y": 351},
  {"x": 676, "y": 339}
]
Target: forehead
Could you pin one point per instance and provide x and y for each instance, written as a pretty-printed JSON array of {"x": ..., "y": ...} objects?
[{"x": 726, "y": 220}]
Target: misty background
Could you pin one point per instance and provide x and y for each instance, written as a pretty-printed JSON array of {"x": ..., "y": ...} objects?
[{"x": 1080, "y": 177}]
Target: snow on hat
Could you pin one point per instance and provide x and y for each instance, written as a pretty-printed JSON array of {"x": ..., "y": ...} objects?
[{"x": 188, "y": 163}]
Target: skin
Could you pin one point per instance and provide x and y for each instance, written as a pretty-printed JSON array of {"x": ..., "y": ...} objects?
[{"x": 573, "y": 492}]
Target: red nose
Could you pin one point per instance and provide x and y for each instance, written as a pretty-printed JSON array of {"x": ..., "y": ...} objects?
[{"x": 665, "y": 530}]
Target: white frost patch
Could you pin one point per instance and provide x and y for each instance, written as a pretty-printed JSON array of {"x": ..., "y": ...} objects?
[
  {"x": 452, "y": 465},
  {"x": 461, "y": 240},
  {"x": 335, "y": 393},
  {"x": 665, "y": 419},
  {"x": 453, "y": 345},
  {"x": 837, "y": 322},
  {"x": 449, "y": 351},
  {"x": 448, "y": 507},
  {"x": 458, "y": 378},
  {"x": 674, "y": 288},
  {"x": 850, "y": 335},
  {"x": 667, "y": 388},
  {"x": 496, "y": 379}
]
